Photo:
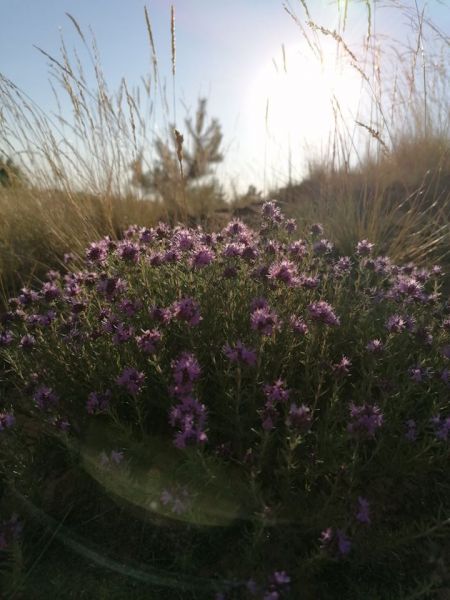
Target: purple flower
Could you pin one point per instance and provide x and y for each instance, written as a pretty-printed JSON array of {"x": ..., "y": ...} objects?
[
  {"x": 122, "y": 333},
  {"x": 6, "y": 338},
  {"x": 398, "y": 324},
  {"x": 189, "y": 416},
  {"x": 342, "y": 368},
  {"x": 408, "y": 288},
  {"x": 128, "y": 251},
  {"x": 365, "y": 420},
  {"x": 309, "y": 282},
  {"x": 419, "y": 373},
  {"x": 316, "y": 229},
  {"x": 98, "y": 402},
  {"x": 111, "y": 286},
  {"x": 297, "y": 249},
  {"x": 322, "y": 311},
  {"x": 27, "y": 297},
  {"x": 299, "y": 417},
  {"x": 441, "y": 427},
  {"x": 202, "y": 257},
  {"x": 258, "y": 303},
  {"x": 235, "y": 227},
  {"x": 50, "y": 291},
  {"x": 290, "y": 225},
  {"x": 186, "y": 370},
  {"x": 271, "y": 212},
  {"x": 162, "y": 315},
  {"x": 382, "y": 265},
  {"x": 375, "y": 346},
  {"x": 233, "y": 250},
  {"x": 132, "y": 380},
  {"x": 322, "y": 247},
  {"x": 264, "y": 321},
  {"x": 342, "y": 267},
  {"x": 273, "y": 247},
  {"x": 298, "y": 325},
  {"x": 284, "y": 271},
  {"x": 335, "y": 541},
  {"x": 171, "y": 256},
  {"x": 97, "y": 252},
  {"x": 281, "y": 578},
  {"x": 240, "y": 353},
  {"x": 363, "y": 513},
  {"x": 45, "y": 398},
  {"x": 149, "y": 341},
  {"x": 187, "y": 310},
  {"x": 344, "y": 544},
  {"x": 364, "y": 248},
  {"x": 7, "y": 420},
  {"x": 146, "y": 236},
  {"x": 129, "y": 307},
  {"x": 183, "y": 239},
  {"x": 27, "y": 342},
  {"x": 276, "y": 392},
  {"x": 156, "y": 259}
]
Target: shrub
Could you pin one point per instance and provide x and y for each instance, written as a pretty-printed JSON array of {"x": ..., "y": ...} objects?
[{"x": 283, "y": 410}]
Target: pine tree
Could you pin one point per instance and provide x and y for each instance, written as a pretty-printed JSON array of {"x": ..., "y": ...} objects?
[{"x": 201, "y": 152}]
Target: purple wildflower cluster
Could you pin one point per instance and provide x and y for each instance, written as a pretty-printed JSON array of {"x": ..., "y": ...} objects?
[
  {"x": 132, "y": 380},
  {"x": 263, "y": 320},
  {"x": 323, "y": 312},
  {"x": 187, "y": 310},
  {"x": 299, "y": 417},
  {"x": 240, "y": 354},
  {"x": 441, "y": 427},
  {"x": 98, "y": 402},
  {"x": 7, "y": 420},
  {"x": 149, "y": 341},
  {"x": 292, "y": 311},
  {"x": 365, "y": 420},
  {"x": 189, "y": 415},
  {"x": 45, "y": 398}
]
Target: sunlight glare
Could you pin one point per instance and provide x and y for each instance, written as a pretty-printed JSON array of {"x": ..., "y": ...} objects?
[{"x": 290, "y": 102}]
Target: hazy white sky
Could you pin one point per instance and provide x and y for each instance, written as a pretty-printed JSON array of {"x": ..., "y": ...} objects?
[{"x": 225, "y": 52}]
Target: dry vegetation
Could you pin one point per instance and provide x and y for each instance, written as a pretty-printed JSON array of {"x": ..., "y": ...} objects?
[{"x": 384, "y": 177}]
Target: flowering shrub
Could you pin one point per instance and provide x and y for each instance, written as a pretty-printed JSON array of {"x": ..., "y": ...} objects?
[{"x": 301, "y": 394}]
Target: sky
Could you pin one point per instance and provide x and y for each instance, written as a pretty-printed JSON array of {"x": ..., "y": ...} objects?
[{"x": 229, "y": 52}]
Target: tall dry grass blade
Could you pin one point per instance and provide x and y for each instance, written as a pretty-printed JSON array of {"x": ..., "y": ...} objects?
[
  {"x": 154, "y": 56},
  {"x": 173, "y": 57},
  {"x": 77, "y": 27},
  {"x": 375, "y": 134}
]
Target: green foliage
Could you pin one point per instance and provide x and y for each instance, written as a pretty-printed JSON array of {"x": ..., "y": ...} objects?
[
  {"x": 271, "y": 452},
  {"x": 10, "y": 174}
]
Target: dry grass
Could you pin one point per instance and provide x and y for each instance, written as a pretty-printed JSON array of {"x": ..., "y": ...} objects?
[
  {"x": 384, "y": 177},
  {"x": 387, "y": 176}
]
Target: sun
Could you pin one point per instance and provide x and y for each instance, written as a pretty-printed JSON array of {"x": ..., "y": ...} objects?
[{"x": 294, "y": 99}]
